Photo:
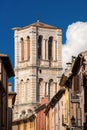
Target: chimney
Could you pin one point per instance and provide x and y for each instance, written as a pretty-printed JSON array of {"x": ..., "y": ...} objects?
[
  {"x": 73, "y": 60},
  {"x": 69, "y": 65},
  {"x": 9, "y": 87}
]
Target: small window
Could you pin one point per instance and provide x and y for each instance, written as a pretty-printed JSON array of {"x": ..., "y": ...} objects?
[
  {"x": 21, "y": 38},
  {"x": 21, "y": 80},
  {"x": 40, "y": 71},
  {"x": 29, "y": 110},
  {"x": 40, "y": 46},
  {"x": 28, "y": 37},
  {"x": 50, "y": 41},
  {"x": 22, "y": 49},
  {"x": 23, "y": 112},
  {"x": 28, "y": 47}
]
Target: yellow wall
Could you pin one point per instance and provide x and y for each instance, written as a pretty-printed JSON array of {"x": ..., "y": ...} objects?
[
  {"x": 49, "y": 119},
  {"x": 27, "y": 125},
  {"x": 66, "y": 107}
]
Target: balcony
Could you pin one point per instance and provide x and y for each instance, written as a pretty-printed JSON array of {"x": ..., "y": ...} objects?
[{"x": 74, "y": 98}]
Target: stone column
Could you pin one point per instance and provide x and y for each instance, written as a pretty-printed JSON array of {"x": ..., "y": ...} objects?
[
  {"x": 47, "y": 88},
  {"x": 25, "y": 50},
  {"x": 43, "y": 49},
  {"x": 54, "y": 50},
  {"x": 48, "y": 91}
]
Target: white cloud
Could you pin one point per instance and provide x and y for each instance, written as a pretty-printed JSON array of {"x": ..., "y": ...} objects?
[{"x": 76, "y": 41}]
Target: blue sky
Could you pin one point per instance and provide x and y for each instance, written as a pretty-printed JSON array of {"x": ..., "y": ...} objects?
[{"x": 19, "y": 13}]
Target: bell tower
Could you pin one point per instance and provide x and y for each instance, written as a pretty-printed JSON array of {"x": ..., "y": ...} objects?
[{"x": 38, "y": 64}]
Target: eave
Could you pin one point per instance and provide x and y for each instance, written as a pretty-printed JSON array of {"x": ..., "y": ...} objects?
[{"x": 55, "y": 99}]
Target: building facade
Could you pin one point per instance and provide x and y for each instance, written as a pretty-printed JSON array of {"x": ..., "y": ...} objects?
[
  {"x": 38, "y": 65},
  {"x": 75, "y": 84},
  {"x": 40, "y": 115},
  {"x": 27, "y": 123},
  {"x": 54, "y": 111},
  {"x": 67, "y": 110},
  {"x": 35, "y": 121},
  {"x": 6, "y": 72},
  {"x": 11, "y": 101}
]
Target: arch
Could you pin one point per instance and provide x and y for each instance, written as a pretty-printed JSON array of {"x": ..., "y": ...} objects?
[
  {"x": 23, "y": 112},
  {"x": 22, "y": 48},
  {"x": 29, "y": 110},
  {"x": 50, "y": 89},
  {"x": 40, "y": 46},
  {"x": 50, "y": 81},
  {"x": 50, "y": 42},
  {"x": 21, "y": 81},
  {"x": 27, "y": 90},
  {"x": 41, "y": 88},
  {"x": 28, "y": 47},
  {"x": 27, "y": 79},
  {"x": 40, "y": 80},
  {"x": 22, "y": 39},
  {"x": 21, "y": 91}
]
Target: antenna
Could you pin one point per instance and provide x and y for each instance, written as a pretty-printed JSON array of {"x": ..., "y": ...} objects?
[{"x": 38, "y": 18}]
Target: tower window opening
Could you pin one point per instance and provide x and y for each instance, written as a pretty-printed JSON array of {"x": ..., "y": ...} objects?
[
  {"x": 39, "y": 46},
  {"x": 40, "y": 71},
  {"x": 50, "y": 41},
  {"x": 28, "y": 47},
  {"x": 22, "y": 49}
]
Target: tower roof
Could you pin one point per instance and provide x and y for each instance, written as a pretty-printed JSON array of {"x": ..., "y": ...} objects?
[
  {"x": 37, "y": 24},
  {"x": 40, "y": 24}
]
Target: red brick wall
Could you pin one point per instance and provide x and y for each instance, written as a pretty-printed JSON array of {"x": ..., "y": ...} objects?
[
  {"x": 41, "y": 118},
  {"x": 44, "y": 100}
]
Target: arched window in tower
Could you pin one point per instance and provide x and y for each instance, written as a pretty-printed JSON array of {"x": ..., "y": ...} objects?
[
  {"x": 22, "y": 49},
  {"x": 27, "y": 92},
  {"x": 40, "y": 46},
  {"x": 41, "y": 88},
  {"x": 21, "y": 91},
  {"x": 28, "y": 47},
  {"x": 50, "y": 41},
  {"x": 51, "y": 92}
]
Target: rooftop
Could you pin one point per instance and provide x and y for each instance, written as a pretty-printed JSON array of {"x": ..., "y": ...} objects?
[{"x": 37, "y": 24}]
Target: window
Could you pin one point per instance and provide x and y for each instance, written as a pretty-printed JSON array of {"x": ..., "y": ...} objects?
[
  {"x": 23, "y": 112},
  {"x": 21, "y": 92},
  {"x": 50, "y": 41},
  {"x": 40, "y": 71},
  {"x": 28, "y": 47},
  {"x": 41, "y": 89},
  {"x": 27, "y": 90},
  {"x": 39, "y": 46},
  {"x": 22, "y": 49}
]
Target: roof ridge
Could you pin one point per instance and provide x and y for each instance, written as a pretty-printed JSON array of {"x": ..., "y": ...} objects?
[{"x": 37, "y": 24}]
